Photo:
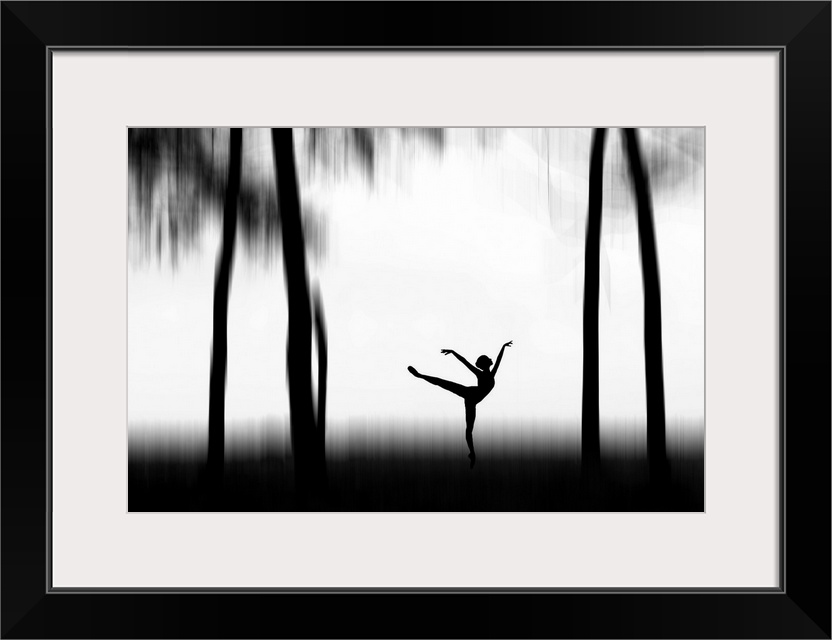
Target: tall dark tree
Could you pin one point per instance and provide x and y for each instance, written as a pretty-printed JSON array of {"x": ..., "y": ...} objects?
[
  {"x": 334, "y": 153},
  {"x": 307, "y": 435},
  {"x": 323, "y": 363},
  {"x": 222, "y": 284},
  {"x": 653, "y": 367},
  {"x": 180, "y": 180},
  {"x": 654, "y": 373},
  {"x": 590, "y": 439}
]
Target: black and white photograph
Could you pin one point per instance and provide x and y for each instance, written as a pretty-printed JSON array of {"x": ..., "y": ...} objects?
[{"x": 416, "y": 319}]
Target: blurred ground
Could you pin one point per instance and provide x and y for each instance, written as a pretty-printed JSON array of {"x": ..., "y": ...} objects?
[{"x": 364, "y": 473}]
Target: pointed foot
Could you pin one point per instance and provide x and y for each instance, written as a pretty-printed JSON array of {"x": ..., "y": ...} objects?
[
  {"x": 414, "y": 372},
  {"x": 473, "y": 458}
]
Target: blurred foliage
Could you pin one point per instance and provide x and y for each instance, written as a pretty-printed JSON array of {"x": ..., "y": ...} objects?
[
  {"x": 177, "y": 179},
  {"x": 672, "y": 157},
  {"x": 333, "y": 154}
]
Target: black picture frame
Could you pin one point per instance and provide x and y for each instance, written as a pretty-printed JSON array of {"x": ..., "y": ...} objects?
[{"x": 799, "y": 31}]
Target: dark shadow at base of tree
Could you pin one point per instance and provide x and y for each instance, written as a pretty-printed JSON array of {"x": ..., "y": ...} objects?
[{"x": 659, "y": 493}]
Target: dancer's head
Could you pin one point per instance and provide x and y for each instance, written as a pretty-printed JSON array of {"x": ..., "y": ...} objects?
[{"x": 483, "y": 362}]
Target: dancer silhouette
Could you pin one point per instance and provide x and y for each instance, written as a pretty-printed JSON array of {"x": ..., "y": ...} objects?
[{"x": 471, "y": 395}]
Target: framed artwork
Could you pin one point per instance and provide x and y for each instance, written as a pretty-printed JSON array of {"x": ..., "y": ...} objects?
[{"x": 519, "y": 303}]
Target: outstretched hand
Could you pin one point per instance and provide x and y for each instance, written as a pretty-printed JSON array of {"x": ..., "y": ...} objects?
[
  {"x": 447, "y": 351},
  {"x": 508, "y": 344}
]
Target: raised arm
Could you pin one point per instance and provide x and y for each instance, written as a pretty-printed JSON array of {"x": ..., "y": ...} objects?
[
  {"x": 500, "y": 357},
  {"x": 473, "y": 369}
]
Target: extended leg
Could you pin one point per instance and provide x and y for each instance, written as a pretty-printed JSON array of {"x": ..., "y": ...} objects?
[
  {"x": 453, "y": 387},
  {"x": 470, "y": 416}
]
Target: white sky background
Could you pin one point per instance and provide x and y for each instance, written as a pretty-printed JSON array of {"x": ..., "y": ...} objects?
[{"x": 466, "y": 250}]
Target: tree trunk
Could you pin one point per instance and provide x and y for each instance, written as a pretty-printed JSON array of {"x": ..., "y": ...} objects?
[
  {"x": 323, "y": 362},
  {"x": 222, "y": 283},
  {"x": 306, "y": 441},
  {"x": 654, "y": 374},
  {"x": 590, "y": 438}
]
